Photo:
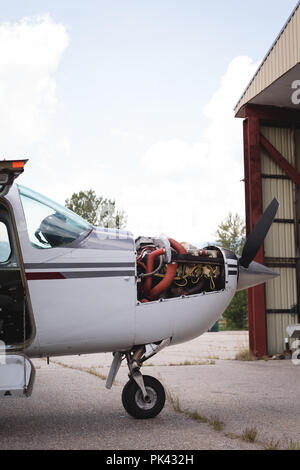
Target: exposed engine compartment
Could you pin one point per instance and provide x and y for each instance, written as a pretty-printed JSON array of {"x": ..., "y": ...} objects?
[{"x": 168, "y": 269}]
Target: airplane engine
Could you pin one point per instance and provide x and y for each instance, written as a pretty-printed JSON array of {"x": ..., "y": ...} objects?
[{"x": 168, "y": 269}]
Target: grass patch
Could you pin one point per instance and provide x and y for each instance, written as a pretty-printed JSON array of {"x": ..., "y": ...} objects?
[
  {"x": 192, "y": 363},
  {"x": 196, "y": 416},
  {"x": 294, "y": 445},
  {"x": 272, "y": 445},
  {"x": 245, "y": 355},
  {"x": 90, "y": 370},
  {"x": 174, "y": 401},
  {"x": 93, "y": 371},
  {"x": 249, "y": 434},
  {"x": 216, "y": 424}
]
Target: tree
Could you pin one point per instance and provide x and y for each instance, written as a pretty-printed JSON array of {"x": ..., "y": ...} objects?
[
  {"x": 109, "y": 216},
  {"x": 231, "y": 235},
  {"x": 97, "y": 210}
]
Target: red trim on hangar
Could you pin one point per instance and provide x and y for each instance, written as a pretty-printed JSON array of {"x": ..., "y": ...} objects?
[{"x": 253, "y": 198}]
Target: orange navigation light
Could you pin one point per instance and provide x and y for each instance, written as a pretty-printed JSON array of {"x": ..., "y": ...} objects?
[{"x": 18, "y": 164}]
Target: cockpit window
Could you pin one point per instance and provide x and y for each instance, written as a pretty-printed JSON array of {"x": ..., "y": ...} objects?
[{"x": 49, "y": 224}]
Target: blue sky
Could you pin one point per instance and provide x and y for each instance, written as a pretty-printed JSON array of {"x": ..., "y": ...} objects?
[{"x": 124, "y": 91}]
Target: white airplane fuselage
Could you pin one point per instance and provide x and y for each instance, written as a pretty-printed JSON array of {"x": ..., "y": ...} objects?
[
  {"x": 68, "y": 288},
  {"x": 84, "y": 298}
]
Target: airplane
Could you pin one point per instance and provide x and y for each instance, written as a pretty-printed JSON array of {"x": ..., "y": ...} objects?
[{"x": 70, "y": 288}]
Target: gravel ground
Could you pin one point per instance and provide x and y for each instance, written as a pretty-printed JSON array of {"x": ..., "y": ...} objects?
[{"x": 211, "y": 402}]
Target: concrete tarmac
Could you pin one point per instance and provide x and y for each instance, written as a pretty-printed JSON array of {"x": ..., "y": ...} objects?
[{"x": 214, "y": 402}]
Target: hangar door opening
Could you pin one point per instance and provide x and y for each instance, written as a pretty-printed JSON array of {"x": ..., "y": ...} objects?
[
  {"x": 272, "y": 169},
  {"x": 281, "y": 248}
]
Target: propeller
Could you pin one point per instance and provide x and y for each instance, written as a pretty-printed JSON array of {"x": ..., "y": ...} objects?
[{"x": 258, "y": 234}]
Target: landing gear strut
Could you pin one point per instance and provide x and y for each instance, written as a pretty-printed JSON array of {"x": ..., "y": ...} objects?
[{"x": 143, "y": 397}]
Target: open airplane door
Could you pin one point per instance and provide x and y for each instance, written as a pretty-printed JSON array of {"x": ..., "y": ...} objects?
[
  {"x": 16, "y": 327},
  {"x": 9, "y": 171}
]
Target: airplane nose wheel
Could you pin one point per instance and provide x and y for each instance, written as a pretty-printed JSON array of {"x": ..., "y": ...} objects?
[{"x": 142, "y": 406}]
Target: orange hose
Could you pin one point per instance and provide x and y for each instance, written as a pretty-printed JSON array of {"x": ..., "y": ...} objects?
[
  {"x": 170, "y": 274},
  {"x": 177, "y": 246},
  {"x": 150, "y": 263},
  {"x": 165, "y": 283}
]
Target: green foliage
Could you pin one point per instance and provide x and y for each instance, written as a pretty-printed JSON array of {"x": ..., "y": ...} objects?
[
  {"x": 236, "y": 315},
  {"x": 85, "y": 204},
  {"x": 231, "y": 235},
  {"x": 97, "y": 210}
]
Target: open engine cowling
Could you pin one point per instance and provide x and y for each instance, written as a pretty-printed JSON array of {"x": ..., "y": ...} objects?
[{"x": 167, "y": 269}]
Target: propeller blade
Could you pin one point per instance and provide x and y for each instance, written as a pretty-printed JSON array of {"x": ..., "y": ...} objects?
[{"x": 258, "y": 234}]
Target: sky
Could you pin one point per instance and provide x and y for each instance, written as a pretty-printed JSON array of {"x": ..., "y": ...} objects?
[{"x": 134, "y": 99}]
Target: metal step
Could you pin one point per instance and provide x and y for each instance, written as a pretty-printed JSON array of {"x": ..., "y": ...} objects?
[{"x": 16, "y": 375}]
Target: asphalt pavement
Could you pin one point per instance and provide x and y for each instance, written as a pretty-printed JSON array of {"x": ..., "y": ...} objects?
[{"x": 214, "y": 402}]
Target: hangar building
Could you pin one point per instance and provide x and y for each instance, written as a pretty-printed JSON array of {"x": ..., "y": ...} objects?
[{"x": 270, "y": 108}]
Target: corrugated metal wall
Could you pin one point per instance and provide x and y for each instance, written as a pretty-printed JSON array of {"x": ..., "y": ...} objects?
[{"x": 281, "y": 245}]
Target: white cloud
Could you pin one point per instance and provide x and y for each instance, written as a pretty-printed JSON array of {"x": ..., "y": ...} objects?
[
  {"x": 188, "y": 188},
  {"x": 174, "y": 158},
  {"x": 181, "y": 188},
  {"x": 126, "y": 136},
  {"x": 30, "y": 52}
]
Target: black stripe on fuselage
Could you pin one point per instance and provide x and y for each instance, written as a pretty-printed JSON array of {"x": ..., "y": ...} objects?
[
  {"x": 78, "y": 265},
  {"x": 48, "y": 275},
  {"x": 86, "y": 274}
]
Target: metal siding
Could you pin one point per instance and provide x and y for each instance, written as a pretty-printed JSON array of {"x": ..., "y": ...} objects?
[
  {"x": 283, "y": 56},
  {"x": 268, "y": 166},
  {"x": 276, "y": 241},
  {"x": 283, "y": 190},
  {"x": 281, "y": 139},
  {"x": 281, "y": 293},
  {"x": 276, "y": 245},
  {"x": 276, "y": 326}
]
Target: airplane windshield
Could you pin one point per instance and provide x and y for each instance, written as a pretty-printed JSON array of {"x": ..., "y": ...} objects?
[{"x": 49, "y": 224}]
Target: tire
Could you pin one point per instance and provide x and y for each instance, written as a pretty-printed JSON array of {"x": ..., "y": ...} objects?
[{"x": 134, "y": 404}]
